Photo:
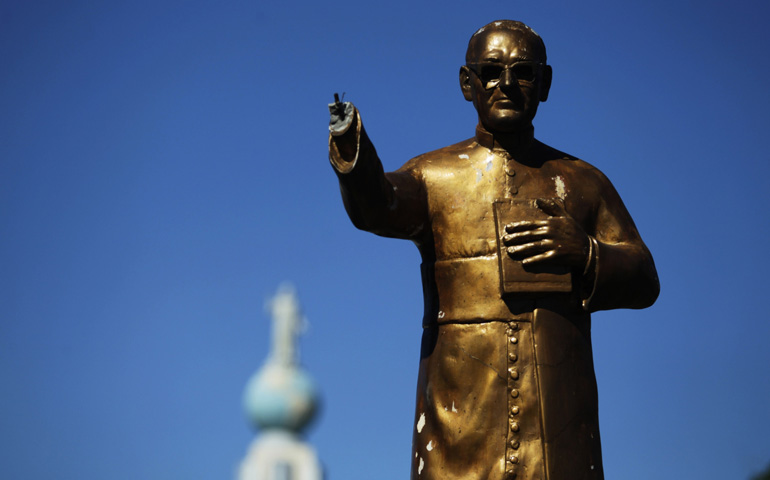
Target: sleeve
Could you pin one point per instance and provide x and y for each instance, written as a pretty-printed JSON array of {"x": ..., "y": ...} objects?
[
  {"x": 623, "y": 272},
  {"x": 387, "y": 204}
]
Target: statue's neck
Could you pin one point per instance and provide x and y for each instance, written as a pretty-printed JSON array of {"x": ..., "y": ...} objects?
[{"x": 512, "y": 142}]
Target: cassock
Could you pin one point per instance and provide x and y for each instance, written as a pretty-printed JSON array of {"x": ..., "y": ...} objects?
[{"x": 506, "y": 384}]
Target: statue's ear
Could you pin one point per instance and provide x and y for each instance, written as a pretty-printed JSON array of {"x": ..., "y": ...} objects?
[
  {"x": 545, "y": 83},
  {"x": 465, "y": 83}
]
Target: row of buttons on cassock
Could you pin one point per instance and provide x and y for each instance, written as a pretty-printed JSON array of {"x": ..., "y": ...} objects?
[{"x": 512, "y": 458}]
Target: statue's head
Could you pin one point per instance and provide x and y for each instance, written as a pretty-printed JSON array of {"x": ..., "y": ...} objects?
[{"x": 505, "y": 75}]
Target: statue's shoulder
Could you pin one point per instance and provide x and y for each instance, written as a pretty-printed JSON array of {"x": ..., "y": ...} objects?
[
  {"x": 446, "y": 157},
  {"x": 570, "y": 164}
]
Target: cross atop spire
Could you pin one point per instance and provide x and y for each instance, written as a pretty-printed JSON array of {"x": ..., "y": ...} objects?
[{"x": 288, "y": 324}]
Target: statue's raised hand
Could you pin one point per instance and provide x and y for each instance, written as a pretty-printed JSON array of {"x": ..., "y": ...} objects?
[{"x": 341, "y": 116}]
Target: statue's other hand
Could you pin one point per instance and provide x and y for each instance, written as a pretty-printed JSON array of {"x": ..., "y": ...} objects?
[
  {"x": 341, "y": 117},
  {"x": 558, "y": 239}
]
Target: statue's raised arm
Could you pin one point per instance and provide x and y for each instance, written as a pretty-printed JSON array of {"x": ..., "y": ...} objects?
[{"x": 392, "y": 204}]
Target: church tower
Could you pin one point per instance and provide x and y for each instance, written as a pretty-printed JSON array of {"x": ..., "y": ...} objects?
[{"x": 280, "y": 400}]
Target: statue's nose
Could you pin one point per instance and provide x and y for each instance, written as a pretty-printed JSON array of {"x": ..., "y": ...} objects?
[
  {"x": 507, "y": 78},
  {"x": 509, "y": 84}
]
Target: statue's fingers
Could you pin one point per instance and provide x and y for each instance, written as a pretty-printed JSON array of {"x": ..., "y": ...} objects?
[
  {"x": 551, "y": 206},
  {"x": 525, "y": 225},
  {"x": 525, "y": 236},
  {"x": 523, "y": 250},
  {"x": 540, "y": 258},
  {"x": 531, "y": 248}
]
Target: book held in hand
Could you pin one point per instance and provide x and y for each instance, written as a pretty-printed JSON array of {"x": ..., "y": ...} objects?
[{"x": 515, "y": 277}]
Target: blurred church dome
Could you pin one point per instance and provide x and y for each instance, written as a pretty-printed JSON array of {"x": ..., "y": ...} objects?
[{"x": 280, "y": 397}]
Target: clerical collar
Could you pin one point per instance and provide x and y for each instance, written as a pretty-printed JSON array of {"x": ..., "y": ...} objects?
[{"x": 511, "y": 142}]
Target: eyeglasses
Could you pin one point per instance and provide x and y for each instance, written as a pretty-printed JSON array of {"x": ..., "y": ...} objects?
[{"x": 490, "y": 73}]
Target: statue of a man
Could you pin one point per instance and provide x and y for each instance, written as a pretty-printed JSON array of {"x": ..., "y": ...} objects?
[{"x": 520, "y": 243}]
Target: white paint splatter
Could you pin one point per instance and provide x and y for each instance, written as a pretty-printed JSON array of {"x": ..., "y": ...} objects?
[
  {"x": 454, "y": 410},
  {"x": 421, "y": 423},
  {"x": 422, "y": 465},
  {"x": 497, "y": 24},
  {"x": 415, "y": 454},
  {"x": 561, "y": 190},
  {"x": 441, "y": 314},
  {"x": 429, "y": 446},
  {"x": 488, "y": 163},
  {"x": 479, "y": 174},
  {"x": 465, "y": 157}
]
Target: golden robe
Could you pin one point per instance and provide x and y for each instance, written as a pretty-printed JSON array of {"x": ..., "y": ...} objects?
[{"x": 506, "y": 385}]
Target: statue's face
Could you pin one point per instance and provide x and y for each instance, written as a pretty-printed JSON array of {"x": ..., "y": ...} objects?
[{"x": 506, "y": 79}]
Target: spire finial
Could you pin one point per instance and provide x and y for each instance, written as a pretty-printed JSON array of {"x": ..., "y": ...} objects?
[{"x": 288, "y": 323}]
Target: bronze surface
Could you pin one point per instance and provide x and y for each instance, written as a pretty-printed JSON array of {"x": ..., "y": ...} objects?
[{"x": 506, "y": 385}]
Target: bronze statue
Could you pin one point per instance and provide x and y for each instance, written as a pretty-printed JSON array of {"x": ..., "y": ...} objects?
[{"x": 520, "y": 243}]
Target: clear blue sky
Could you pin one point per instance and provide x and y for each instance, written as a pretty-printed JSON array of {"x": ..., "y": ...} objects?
[{"x": 163, "y": 168}]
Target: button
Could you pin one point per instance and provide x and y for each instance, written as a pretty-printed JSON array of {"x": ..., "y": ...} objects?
[
  {"x": 509, "y": 332},
  {"x": 513, "y": 357},
  {"x": 515, "y": 409},
  {"x": 514, "y": 426},
  {"x": 514, "y": 340},
  {"x": 514, "y": 325},
  {"x": 515, "y": 393},
  {"x": 513, "y": 373},
  {"x": 513, "y": 459},
  {"x": 514, "y": 444}
]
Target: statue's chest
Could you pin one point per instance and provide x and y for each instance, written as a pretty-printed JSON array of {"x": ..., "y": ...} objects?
[{"x": 461, "y": 200}]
